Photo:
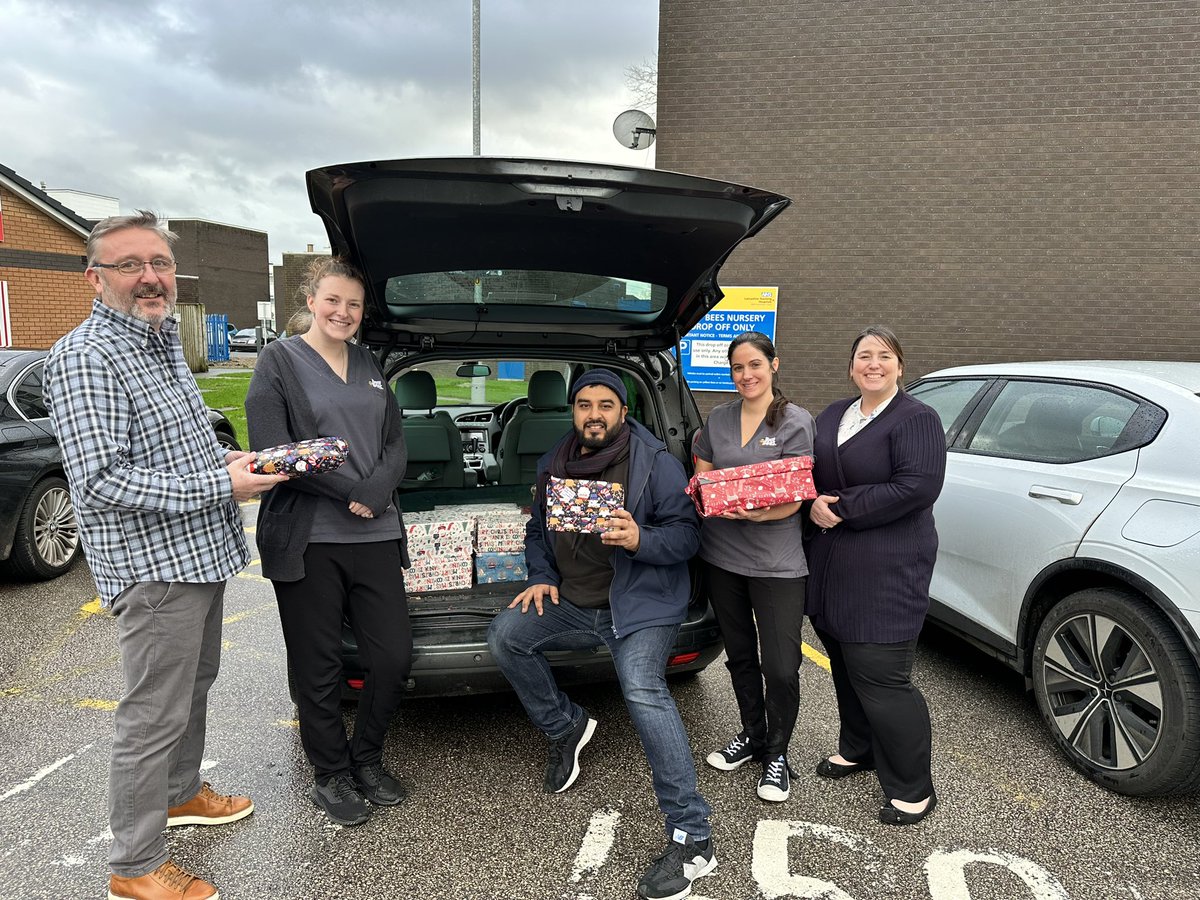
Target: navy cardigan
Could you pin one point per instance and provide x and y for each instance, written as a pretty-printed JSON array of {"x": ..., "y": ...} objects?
[{"x": 869, "y": 576}]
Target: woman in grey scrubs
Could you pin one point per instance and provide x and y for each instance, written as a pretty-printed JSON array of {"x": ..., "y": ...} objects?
[
  {"x": 333, "y": 544},
  {"x": 755, "y": 564}
]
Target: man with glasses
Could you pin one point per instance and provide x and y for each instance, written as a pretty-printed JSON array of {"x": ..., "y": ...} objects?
[{"x": 156, "y": 498}]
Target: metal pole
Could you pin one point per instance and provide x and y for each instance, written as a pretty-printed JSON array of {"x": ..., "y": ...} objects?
[{"x": 475, "y": 76}]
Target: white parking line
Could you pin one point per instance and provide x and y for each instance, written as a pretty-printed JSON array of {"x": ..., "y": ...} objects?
[
  {"x": 42, "y": 773},
  {"x": 597, "y": 842}
]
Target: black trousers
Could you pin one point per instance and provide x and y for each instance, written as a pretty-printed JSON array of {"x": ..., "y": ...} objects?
[
  {"x": 364, "y": 582},
  {"x": 760, "y": 621},
  {"x": 884, "y": 718}
]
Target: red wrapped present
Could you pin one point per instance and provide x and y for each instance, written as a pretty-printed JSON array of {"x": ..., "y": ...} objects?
[
  {"x": 755, "y": 486},
  {"x": 311, "y": 457}
]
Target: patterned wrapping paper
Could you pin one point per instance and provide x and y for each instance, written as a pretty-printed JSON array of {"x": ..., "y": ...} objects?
[
  {"x": 453, "y": 539},
  {"x": 502, "y": 532},
  {"x": 438, "y": 573},
  {"x": 311, "y": 457},
  {"x": 578, "y": 504},
  {"x": 755, "y": 486},
  {"x": 494, "y": 567}
]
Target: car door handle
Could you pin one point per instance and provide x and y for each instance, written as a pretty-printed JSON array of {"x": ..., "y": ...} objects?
[{"x": 1071, "y": 498}]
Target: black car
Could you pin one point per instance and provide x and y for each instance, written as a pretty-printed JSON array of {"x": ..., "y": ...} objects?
[
  {"x": 39, "y": 536},
  {"x": 491, "y": 285}
]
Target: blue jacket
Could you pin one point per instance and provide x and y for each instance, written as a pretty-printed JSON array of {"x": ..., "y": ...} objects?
[{"x": 652, "y": 586}]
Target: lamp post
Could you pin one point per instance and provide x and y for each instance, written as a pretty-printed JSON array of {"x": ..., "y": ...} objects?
[{"x": 475, "y": 77}]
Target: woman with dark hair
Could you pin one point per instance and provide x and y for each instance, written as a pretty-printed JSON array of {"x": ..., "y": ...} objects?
[
  {"x": 333, "y": 544},
  {"x": 880, "y": 463},
  {"x": 754, "y": 560}
]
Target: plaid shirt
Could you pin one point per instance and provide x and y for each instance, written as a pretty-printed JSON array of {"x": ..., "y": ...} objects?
[{"x": 147, "y": 475}]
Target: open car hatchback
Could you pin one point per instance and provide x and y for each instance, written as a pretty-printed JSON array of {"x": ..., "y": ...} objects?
[{"x": 492, "y": 284}]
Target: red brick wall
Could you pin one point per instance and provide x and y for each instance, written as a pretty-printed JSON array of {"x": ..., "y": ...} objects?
[
  {"x": 43, "y": 304},
  {"x": 995, "y": 180}
]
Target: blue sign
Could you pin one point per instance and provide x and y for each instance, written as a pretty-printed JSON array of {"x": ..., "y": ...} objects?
[{"x": 704, "y": 352}]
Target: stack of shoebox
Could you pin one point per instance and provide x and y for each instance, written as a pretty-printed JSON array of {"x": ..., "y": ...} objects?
[
  {"x": 500, "y": 544},
  {"x": 440, "y": 546}
]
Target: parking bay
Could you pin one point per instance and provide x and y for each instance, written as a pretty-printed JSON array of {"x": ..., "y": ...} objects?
[{"x": 1014, "y": 821}]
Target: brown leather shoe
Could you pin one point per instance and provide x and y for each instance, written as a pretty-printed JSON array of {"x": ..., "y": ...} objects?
[
  {"x": 210, "y": 808},
  {"x": 167, "y": 882}
]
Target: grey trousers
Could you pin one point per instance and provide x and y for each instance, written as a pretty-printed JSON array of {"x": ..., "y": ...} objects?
[{"x": 169, "y": 634}]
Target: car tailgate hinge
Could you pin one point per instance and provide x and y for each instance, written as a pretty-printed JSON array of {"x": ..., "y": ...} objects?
[
  {"x": 426, "y": 343},
  {"x": 610, "y": 347}
]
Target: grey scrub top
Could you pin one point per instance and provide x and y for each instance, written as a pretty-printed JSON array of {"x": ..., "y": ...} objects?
[{"x": 756, "y": 549}]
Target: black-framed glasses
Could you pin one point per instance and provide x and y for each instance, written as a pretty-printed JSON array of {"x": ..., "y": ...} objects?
[{"x": 160, "y": 264}]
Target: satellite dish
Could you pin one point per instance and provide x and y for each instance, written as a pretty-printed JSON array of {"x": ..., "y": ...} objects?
[{"x": 634, "y": 129}]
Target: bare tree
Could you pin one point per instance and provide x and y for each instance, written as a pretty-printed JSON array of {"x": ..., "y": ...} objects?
[{"x": 642, "y": 81}]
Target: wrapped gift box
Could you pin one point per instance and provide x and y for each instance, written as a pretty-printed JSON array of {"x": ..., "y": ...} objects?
[
  {"x": 578, "y": 504},
  {"x": 309, "y": 457},
  {"x": 756, "y": 486},
  {"x": 438, "y": 573},
  {"x": 502, "y": 531},
  {"x": 493, "y": 567},
  {"x": 447, "y": 538}
]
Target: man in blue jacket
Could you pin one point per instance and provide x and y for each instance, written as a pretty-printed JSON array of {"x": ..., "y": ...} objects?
[{"x": 626, "y": 588}]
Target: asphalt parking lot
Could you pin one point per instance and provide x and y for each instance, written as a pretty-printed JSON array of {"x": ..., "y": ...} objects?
[{"x": 1014, "y": 820}]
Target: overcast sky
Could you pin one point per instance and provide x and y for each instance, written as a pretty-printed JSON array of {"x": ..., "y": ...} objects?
[{"x": 215, "y": 109}]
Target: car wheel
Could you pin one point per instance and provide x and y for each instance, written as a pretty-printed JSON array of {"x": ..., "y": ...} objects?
[
  {"x": 1119, "y": 692},
  {"x": 227, "y": 441},
  {"x": 47, "y": 539}
]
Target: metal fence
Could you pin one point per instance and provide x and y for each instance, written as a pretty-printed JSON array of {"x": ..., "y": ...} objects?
[{"x": 217, "y": 328}]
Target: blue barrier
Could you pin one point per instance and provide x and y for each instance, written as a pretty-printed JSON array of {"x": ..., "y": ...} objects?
[{"x": 216, "y": 327}]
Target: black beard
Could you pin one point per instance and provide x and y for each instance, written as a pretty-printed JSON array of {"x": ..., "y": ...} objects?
[{"x": 599, "y": 443}]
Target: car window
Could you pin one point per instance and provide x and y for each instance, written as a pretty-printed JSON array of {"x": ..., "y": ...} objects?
[
  {"x": 521, "y": 287},
  {"x": 948, "y": 397},
  {"x": 1051, "y": 422},
  {"x": 27, "y": 394}
]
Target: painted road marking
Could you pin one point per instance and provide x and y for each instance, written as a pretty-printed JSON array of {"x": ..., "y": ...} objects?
[
  {"x": 42, "y": 773},
  {"x": 597, "y": 843}
]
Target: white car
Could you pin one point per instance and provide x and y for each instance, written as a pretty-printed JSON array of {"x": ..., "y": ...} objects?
[{"x": 1069, "y": 531}]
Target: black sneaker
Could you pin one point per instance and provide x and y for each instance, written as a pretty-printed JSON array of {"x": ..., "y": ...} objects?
[
  {"x": 671, "y": 874},
  {"x": 736, "y": 753},
  {"x": 562, "y": 768},
  {"x": 340, "y": 799},
  {"x": 378, "y": 785},
  {"x": 774, "y": 784}
]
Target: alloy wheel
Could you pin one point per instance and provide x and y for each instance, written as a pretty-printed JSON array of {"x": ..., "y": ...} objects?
[
  {"x": 1103, "y": 691},
  {"x": 55, "y": 530}
]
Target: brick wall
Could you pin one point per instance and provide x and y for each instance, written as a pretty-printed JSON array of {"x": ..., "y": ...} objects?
[
  {"x": 231, "y": 265},
  {"x": 995, "y": 180},
  {"x": 289, "y": 275},
  {"x": 44, "y": 303}
]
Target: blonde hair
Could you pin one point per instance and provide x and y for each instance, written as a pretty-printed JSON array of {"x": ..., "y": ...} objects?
[{"x": 323, "y": 267}]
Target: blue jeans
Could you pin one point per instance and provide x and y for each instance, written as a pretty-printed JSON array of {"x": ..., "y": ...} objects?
[{"x": 517, "y": 641}]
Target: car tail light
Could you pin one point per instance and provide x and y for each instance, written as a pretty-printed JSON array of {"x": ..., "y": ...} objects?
[
  {"x": 682, "y": 659},
  {"x": 357, "y": 683}
]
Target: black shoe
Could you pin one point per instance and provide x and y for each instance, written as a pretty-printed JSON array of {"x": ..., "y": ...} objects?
[
  {"x": 827, "y": 768},
  {"x": 734, "y": 754},
  {"x": 889, "y": 815},
  {"x": 340, "y": 799},
  {"x": 774, "y": 784},
  {"x": 671, "y": 874},
  {"x": 378, "y": 785},
  {"x": 562, "y": 768}
]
